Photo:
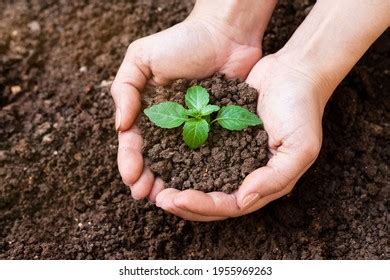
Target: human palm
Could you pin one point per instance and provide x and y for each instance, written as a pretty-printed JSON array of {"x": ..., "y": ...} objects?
[
  {"x": 291, "y": 105},
  {"x": 196, "y": 48}
]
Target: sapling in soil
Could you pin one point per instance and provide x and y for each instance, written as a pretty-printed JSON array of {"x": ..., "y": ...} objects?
[{"x": 197, "y": 117}]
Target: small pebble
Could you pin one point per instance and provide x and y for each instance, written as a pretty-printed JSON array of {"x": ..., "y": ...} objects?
[
  {"x": 308, "y": 10},
  {"x": 77, "y": 156},
  {"x": 15, "y": 90},
  {"x": 34, "y": 27},
  {"x": 105, "y": 83},
  {"x": 43, "y": 128},
  {"x": 3, "y": 155},
  {"x": 47, "y": 139},
  {"x": 83, "y": 69}
]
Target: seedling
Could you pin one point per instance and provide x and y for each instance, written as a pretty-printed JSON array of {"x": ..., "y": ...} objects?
[{"x": 197, "y": 119}]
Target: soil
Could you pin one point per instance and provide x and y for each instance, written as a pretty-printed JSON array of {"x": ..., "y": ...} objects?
[
  {"x": 223, "y": 162},
  {"x": 61, "y": 196}
]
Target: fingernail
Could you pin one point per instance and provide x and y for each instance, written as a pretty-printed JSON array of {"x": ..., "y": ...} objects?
[
  {"x": 118, "y": 119},
  {"x": 250, "y": 199}
]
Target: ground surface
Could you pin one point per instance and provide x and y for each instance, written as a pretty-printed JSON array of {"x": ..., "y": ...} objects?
[
  {"x": 227, "y": 157},
  {"x": 61, "y": 194}
]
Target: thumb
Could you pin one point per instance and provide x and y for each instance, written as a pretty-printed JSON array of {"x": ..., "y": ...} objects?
[
  {"x": 287, "y": 165},
  {"x": 131, "y": 78}
]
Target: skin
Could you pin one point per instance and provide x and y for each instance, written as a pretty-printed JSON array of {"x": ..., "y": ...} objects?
[
  {"x": 294, "y": 86},
  {"x": 233, "y": 47}
]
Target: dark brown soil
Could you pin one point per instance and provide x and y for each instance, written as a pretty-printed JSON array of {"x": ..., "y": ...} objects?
[
  {"x": 61, "y": 196},
  {"x": 222, "y": 163}
]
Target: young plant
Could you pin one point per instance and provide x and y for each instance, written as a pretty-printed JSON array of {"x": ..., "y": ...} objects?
[{"x": 196, "y": 118}]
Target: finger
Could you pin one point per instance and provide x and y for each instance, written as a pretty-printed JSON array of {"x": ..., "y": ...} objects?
[
  {"x": 286, "y": 166},
  {"x": 189, "y": 216},
  {"x": 131, "y": 78},
  {"x": 208, "y": 204},
  {"x": 143, "y": 185},
  {"x": 130, "y": 160},
  {"x": 242, "y": 63},
  {"x": 157, "y": 187},
  {"x": 221, "y": 204},
  {"x": 165, "y": 201},
  {"x": 267, "y": 199}
]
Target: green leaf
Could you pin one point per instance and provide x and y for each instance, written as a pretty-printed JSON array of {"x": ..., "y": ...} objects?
[
  {"x": 193, "y": 113},
  {"x": 166, "y": 114},
  {"x": 196, "y": 97},
  {"x": 195, "y": 132},
  {"x": 234, "y": 117},
  {"x": 209, "y": 109}
]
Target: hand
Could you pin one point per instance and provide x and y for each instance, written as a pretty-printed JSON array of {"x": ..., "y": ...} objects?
[
  {"x": 294, "y": 86},
  {"x": 291, "y": 104},
  {"x": 197, "y": 48}
]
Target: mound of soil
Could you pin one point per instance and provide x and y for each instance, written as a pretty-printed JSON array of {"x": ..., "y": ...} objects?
[
  {"x": 61, "y": 196},
  {"x": 222, "y": 163}
]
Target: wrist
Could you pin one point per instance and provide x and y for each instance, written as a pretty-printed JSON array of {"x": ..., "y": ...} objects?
[
  {"x": 244, "y": 17},
  {"x": 333, "y": 37},
  {"x": 302, "y": 72}
]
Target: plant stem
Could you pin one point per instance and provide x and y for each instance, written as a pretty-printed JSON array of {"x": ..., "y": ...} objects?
[{"x": 213, "y": 121}]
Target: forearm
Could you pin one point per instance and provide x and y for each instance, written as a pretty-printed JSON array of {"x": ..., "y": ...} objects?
[
  {"x": 249, "y": 16},
  {"x": 335, "y": 35}
]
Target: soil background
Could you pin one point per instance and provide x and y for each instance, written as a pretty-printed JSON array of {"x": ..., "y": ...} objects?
[
  {"x": 62, "y": 196},
  {"x": 226, "y": 158}
]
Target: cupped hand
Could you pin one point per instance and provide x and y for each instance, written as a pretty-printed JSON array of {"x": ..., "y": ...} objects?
[
  {"x": 291, "y": 103},
  {"x": 196, "y": 48}
]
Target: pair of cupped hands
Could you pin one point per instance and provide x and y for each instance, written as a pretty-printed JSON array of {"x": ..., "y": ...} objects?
[{"x": 289, "y": 104}]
